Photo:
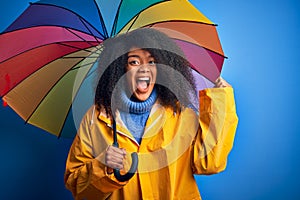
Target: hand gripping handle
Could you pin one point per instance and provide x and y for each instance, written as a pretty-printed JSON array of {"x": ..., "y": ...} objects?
[{"x": 134, "y": 163}]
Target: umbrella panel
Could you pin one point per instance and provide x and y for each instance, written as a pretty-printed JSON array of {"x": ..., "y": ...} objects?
[
  {"x": 44, "y": 98},
  {"x": 164, "y": 12},
  {"x": 30, "y": 38},
  {"x": 204, "y": 62},
  {"x": 46, "y": 13},
  {"x": 21, "y": 67},
  {"x": 204, "y": 35}
]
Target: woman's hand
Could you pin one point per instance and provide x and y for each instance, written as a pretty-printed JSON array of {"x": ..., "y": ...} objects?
[
  {"x": 221, "y": 83},
  {"x": 114, "y": 158}
]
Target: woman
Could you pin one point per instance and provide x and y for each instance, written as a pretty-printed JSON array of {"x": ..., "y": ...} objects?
[{"x": 146, "y": 87}]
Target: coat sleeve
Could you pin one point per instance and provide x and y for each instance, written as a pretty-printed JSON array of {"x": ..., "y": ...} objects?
[
  {"x": 214, "y": 140},
  {"x": 86, "y": 175}
]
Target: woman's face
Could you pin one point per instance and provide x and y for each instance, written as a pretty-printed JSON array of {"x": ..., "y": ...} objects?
[{"x": 141, "y": 73}]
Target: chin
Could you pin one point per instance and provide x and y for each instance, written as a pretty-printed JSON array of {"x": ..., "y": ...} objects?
[{"x": 142, "y": 97}]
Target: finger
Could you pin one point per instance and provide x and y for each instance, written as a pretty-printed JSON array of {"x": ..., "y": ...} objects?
[
  {"x": 116, "y": 155},
  {"x": 121, "y": 152},
  {"x": 221, "y": 83},
  {"x": 114, "y": 165},
  {"x": 124, "y": 152},
  {"x": 116, "y": 150},
  {"x": 225, "y": 83},
  {"x": 114, "y": 162},
  {"x": 217, "y": 82}
]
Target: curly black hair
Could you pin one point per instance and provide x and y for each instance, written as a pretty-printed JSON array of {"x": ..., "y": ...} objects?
[{"x": 176, "y": 80}]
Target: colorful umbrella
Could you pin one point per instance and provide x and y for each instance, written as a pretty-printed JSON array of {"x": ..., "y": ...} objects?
[{"x": 48, "y": 55}]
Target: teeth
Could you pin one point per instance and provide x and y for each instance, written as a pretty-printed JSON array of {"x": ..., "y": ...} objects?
[{"x": 144, "y": 79}]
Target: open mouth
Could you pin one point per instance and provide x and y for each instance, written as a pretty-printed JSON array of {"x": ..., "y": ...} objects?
[{"x": 142, "y": 83}]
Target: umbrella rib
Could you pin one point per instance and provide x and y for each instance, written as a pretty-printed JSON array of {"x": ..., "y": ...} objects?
[
  {"x": 82, "y": 21},
  {"x": 116, "y": 19},
  {"x": 51, "y": 25},
  {"x": 178, "y": 20},
  {"x": 201, "y": 47},
  {"x": 101, "y": 20},
  {"x": 151, "y": 25},
  {"x": 62, "y": 57},
  {"x": 201, "y": 73},
  {"x": 135, "y": 16},
  {"x": 49, "y": 92},
  {"x": 60, "y": 43},
  {"x": 80, "y": 17},
  {"x": 71, "y": 57},
  {"x": 87, "y": 64},
  {"x": 88, "y": 42},
  {"x": 67, "y": 45},
  {"x": 87, "y": 75},
  {"x": 207, "y": 50}
]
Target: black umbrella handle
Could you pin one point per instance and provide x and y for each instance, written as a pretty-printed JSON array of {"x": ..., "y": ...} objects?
[{"x": 134, "y": 158}]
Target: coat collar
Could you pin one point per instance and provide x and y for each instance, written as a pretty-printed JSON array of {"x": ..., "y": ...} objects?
[{"x": 155, "y": 122}]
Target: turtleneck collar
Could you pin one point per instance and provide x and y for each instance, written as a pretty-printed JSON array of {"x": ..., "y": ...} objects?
[{"x": 132, "y": 105}]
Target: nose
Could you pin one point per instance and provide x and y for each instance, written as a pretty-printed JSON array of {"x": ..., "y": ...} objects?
[{"x": 144, "y": 68}]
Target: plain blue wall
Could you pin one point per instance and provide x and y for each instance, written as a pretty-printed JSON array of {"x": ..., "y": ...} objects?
[{"x": 261, "y": 40}]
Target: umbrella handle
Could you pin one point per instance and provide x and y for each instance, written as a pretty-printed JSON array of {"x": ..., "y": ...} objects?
[
  {"x": 134, "y": 163},
  {"x": 131, "y": 171}
]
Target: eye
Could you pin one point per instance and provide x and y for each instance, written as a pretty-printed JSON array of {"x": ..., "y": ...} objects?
[
  {"x": 133, "y": 62},
  {"x": 152, "y": 62}
]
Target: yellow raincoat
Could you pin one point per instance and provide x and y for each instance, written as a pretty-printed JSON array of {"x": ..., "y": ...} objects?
[{"x": 174, "y": 147}]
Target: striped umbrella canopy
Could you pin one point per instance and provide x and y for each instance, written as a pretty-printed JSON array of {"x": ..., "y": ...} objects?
[{"x": 49, "y": 54}]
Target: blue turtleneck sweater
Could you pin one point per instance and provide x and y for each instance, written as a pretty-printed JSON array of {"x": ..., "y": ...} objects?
[{"x": 134, "y": 113}]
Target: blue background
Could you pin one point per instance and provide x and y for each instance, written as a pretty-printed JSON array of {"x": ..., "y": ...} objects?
[{"x": 261, "y": 39}]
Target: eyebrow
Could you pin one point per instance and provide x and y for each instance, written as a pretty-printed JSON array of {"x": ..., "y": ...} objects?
[
  {"x": 133, "y": 56},
  {"x": 137, "y": 56}
]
